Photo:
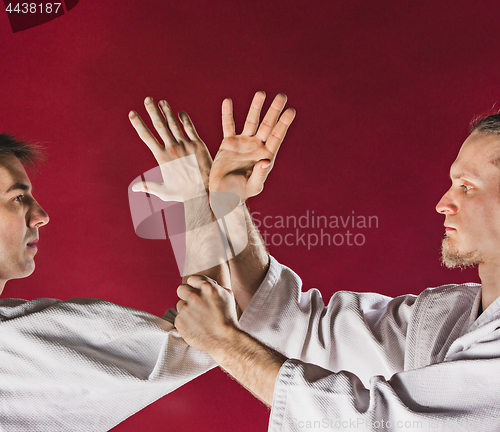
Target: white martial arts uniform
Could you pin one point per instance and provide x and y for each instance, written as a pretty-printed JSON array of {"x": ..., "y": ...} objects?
[
  {"x": 86, "y": 364},
  {"x": 410, "y": 363},
  {"x": 370, "y": 362}
]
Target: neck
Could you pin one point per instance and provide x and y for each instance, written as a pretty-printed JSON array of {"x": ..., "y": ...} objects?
[{"x": 490, "y": 283}]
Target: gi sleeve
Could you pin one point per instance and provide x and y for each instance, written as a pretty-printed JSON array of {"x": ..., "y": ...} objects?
[
  {"x": 86, "y": 364},
  {"x": 364, "y": 333},
  {"x": 452, "y": 396}
]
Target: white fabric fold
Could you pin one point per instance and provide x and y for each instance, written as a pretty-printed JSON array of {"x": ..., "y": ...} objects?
[
  {"x": 369, "y": 362},
  {"x": 86, "y": 364}
]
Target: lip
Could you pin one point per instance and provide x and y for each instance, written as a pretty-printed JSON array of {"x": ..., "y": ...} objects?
[
  {"x": 32, "y": 244},
  {"x": 448, "y": 228}
]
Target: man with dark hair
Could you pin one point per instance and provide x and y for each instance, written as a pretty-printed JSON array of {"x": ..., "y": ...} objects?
[
  {"x": 365, "y": 361},
  {"x": 20, "y": 215},
  {"x": 85, "y": 364},
  {"x": 81, "y": 364}
]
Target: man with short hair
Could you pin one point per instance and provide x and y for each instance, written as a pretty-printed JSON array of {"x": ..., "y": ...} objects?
[
  {"x": 80, "y": 364},
  {"x": 365, "y": 361},
  {"x": 20, "y": 215},
  {"x": 86, "y": 364}
]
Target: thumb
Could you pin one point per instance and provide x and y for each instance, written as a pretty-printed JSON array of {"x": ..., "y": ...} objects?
[
  {"x": 255, "y": 182},
  {"x": 147, "y": 186}
]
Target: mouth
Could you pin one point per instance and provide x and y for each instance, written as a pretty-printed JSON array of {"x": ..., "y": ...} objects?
[
  {"x": 32, "y": 244},
  {"x": 449, "y": 228}
]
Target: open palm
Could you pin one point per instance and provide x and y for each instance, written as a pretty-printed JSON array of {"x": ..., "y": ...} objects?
[
  {"x": 176, "y": 145},
  {"x": 244, "y": 161}
]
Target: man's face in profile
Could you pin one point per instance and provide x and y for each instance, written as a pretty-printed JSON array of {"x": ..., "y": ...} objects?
[
  {"x": 472, "y": 204},
  {"x": 20, "y": 218}
]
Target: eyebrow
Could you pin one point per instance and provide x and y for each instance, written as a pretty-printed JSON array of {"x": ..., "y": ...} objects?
[
  {"x": 18, "y": 186},
  {"x": 463, "y": 175}
]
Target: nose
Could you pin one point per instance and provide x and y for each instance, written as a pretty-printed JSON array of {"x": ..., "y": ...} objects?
[
  {"x": 446, "y": 204},
  {"x": 38, "y": 216}
]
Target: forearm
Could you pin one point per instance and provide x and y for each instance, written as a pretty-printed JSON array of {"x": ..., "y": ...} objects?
[
  {"x": 234, "y": 239},
  {"x": 205, "y": 246},
  {"x": 248, "y": 269},
  {"x": 254, "y": 365},
  {"x": 240, "y": 168}
]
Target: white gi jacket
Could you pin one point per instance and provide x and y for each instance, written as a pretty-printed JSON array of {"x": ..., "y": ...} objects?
[
  {"x": 86, "y": 364},
  {"x": 372, "y": 363},
  {"x": 366, "y": 362}
]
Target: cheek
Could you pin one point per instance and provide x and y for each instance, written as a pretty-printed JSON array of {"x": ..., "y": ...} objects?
[
  {"x": 8, "y": 241},
  {"x": 12, "y": 231},
  {"x": 487, "y": 217}
]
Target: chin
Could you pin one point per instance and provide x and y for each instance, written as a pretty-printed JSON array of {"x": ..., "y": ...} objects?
[
  {"x": 26, "y": 271},
  {"x": 453, "y": 257}
]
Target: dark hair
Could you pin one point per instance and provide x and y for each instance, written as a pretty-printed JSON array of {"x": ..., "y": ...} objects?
[
  {"x": 28, "y": 154},
  {"x": 489, "y": 124}
]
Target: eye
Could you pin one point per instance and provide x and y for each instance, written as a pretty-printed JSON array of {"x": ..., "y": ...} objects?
[
  {"x": 466, "y": 188},
  {"x": 19, "y": 198}
]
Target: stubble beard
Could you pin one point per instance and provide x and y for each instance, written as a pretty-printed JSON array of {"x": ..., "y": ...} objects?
[{"x": 452, "y": 257}]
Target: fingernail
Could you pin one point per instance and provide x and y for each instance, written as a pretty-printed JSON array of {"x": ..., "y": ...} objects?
[
  {"x": 131, "y": 114},
  {"x": 162, "y": 103},
  {"x": 147, "y": 100},
  {"x": 265, "y": 166}
]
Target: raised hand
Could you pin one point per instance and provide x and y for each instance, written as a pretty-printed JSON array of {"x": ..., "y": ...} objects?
[
  {"x": 175, "y": 144},
  {"x": 244, "y": 161}
]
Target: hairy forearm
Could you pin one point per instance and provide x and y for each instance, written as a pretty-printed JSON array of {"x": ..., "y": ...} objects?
[
  {"x": 254, "y": 365},
  {"x": 205, "y": 243},
  {"x": 248, "y": 269}
]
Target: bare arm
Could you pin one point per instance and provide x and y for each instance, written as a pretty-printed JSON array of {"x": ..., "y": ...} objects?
[
  {"x": 200, "y": 240},
  {"x": 249, "y": 268},
  {"x": 241, "y": 166},
  {"x": 207, "y": 321}
]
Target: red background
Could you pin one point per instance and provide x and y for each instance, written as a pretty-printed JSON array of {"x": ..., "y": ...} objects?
[{"x": 384, "y": 92}]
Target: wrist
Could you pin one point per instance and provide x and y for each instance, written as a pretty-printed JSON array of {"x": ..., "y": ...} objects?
[
  {"x": 224, "y": 203},
  {"x": 251, "y": 363},
  {"x": 223, "y": 351}
]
